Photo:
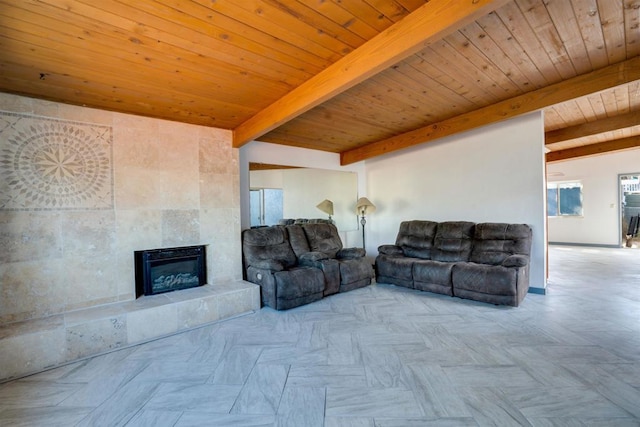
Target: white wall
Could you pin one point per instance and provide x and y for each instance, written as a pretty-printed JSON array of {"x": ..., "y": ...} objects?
[
  {"x": 600, "y": 197},
  {"x": 304, "y": 188},
  {"x": 491, "y": 174},
  {"x": 267, "y": 178}
]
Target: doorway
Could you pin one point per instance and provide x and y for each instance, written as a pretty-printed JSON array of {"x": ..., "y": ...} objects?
[{"x": 629, "y": 184}]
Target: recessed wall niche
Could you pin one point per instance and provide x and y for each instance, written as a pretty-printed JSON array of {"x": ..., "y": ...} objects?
[{"x": 52, "y": 164}]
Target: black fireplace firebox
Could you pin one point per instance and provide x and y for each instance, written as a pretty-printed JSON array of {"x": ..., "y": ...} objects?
[{"x": 169, "y": 269}]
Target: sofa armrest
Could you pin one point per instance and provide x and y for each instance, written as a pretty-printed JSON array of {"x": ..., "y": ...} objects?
[
  {"x": 351, "y": 253},
  {"x": 516, "y": 261},
  {"x": 269, "y": 264},
  {"x": 390, "y": 250}
]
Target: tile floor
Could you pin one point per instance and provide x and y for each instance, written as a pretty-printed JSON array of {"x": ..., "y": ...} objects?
[{"x": 378, "y": 356}]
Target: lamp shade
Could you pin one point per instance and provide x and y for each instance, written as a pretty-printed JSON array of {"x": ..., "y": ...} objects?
[
  {"x": 326, "y": 206},
  {"x": 364, "y": 206}
]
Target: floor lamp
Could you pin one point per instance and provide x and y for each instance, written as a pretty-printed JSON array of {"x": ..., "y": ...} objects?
[
  {"x": 326, "y": 206},
  {"x": 364, "y": 207}
]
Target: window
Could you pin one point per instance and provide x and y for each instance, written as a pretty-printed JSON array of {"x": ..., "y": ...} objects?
[{"x": 564, "y": 199}]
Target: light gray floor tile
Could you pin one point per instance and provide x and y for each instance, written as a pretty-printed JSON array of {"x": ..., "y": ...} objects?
[
  {"x": 25, "y": 394},
  {"x": 482, "y": 375},
  {"x": 236, "y": 365},
  {"x": 151, "y": 418},
  {"x": 301, "y": 406},
  {"x": 366, "y": 402},
  {"x": 492, "y": 408},
  {"x": 378, "y": 355},
  {"x": 50, "y": 416},
  {"x": 175, "y": 348},
  {"x": 613, "y": 389},
  {"x": 299, "y": 356},
  {"x": 262, "y": 391},
  {"x": 103, "y": 386},
  {"x": 566, "y": 402},
  {"x": 194, "y": 397},
  {"x": 327, "y": 376},
  {"x": 388, "y": 375},
  {"x": 121, "y": 406},
  {"x": 348, "y": 422},
  {"x": 167, "y": 371},
  {"x": 211, "y": 351},
  {"x": 343, "y": 350},
  {"x": 203, "y": 419},
  {"x": 425, "y": 422},
  {"x": 550, "y": 374},
  {"x": 436, "y": 394},
  {"x": 627, "y": 372}
]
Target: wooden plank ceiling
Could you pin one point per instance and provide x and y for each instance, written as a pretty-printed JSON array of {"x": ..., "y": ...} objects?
[{"x": 356, "y": 77}]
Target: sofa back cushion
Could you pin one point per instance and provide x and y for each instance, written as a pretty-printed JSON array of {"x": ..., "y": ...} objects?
[
  {"x": 453, "y": 241},
  {"x": 323, "y": 238},
  {"x": 297, "y": 239},
  {"x": 493, "y": 242},
  {"x": 267, "y": 243},
  {"x": 416, "y": 238}
]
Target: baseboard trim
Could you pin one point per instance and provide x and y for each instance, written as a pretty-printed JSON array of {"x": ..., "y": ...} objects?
[
  {"x": 588, "y": 245},
  {"x": 539, "y": 291}
]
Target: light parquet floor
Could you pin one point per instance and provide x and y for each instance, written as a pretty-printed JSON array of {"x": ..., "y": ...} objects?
[{"x": 379, "y": 356}]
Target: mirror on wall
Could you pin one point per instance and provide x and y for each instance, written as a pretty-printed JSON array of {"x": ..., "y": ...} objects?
[{"x": 293, "y": 192}]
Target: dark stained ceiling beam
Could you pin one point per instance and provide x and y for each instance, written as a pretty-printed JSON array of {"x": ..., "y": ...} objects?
[
  {"x": 594, "y": 149},
  {"x": 605, "y": 78},
  {"x": 431, "y": 22}
]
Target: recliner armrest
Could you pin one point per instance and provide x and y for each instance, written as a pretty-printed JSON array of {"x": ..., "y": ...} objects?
[
  {"x": 351, "y": 253},
  {"x": 269, "y": 264},
  {"x": 515, "y": 261},
  {"x": 390, "y": 250}
]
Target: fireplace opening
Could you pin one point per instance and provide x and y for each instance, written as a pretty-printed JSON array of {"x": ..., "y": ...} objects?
[{"x": 169, "y": 269}]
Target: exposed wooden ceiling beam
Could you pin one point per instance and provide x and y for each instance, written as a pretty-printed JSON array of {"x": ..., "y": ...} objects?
[
  {"x": 586, "y": 84},
  {"x": 266, "y": 166},
  {"x": 593, "y": 128},
  {"x": 431, "y": 22},
  {"x": 594, "y": 149}
]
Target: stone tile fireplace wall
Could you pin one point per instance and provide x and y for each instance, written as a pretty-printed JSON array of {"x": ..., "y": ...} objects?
[{"x": 123, "y": 183}]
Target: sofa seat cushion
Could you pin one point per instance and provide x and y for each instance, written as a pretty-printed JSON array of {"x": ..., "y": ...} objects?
[
  {"x": 395, "y": 270},
  {"x": 299, "y": 282},
  {"x": 433, "y": 276}
]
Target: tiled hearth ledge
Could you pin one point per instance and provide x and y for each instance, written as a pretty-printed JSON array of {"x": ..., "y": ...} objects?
[{"x": 36, "y": 345}]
